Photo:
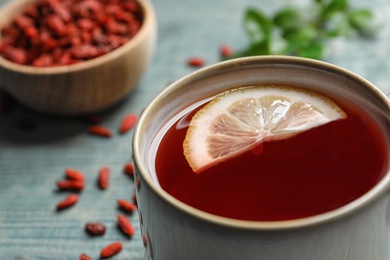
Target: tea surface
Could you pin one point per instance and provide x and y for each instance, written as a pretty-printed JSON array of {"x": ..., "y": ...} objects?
[{"x": 311, "y": 173}]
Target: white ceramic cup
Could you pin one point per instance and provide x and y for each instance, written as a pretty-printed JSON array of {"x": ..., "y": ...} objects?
[{"x": 173, "y": 230}]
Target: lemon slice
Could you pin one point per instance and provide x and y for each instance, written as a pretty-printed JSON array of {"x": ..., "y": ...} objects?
[{"x": 239, "y": 120}]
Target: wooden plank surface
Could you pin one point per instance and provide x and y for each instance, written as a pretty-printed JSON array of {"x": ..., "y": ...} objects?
[{"x": 35, "y": 149}]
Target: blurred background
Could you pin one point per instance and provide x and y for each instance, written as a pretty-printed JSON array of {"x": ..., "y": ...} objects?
[{"x": 36, "y": 148}]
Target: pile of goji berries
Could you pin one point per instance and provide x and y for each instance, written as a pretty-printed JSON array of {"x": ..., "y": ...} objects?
[
  {"x": 74, "y": 182},
  {"x": 64, "y": 32}
]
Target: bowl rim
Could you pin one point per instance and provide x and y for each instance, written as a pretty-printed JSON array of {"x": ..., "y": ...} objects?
[
  {"x": 378, "y": 190},
  {"x": 149, "y": 21}
]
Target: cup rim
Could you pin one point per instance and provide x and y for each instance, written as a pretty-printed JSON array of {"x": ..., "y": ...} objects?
[
  {"x": 380, "y": 188},
  {"x": 147, "y": 24}
]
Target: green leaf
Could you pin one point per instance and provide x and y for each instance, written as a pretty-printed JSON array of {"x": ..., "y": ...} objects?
[
  {"x": 314, "y": 51},
  {"x": 333, "y": 7},
  {"x": 363, "y": 21},
  {"x": 307, "y": 33},
  {"x": 292, "y": 31},
  {"x": 256, "y": 48},
  {"x": 288, "y": 18},
  {"x": 259, "y": 28},
  {"x": 305, "y": 42},
  {"x": 338, "y": 26}
]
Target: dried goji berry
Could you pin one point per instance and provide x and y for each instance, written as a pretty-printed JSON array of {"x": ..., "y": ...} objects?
[
  {"x": 57, "y": 53},
  {"x": 225, "y": 51},
  {"x": 31, "y": 32},
  {"x": 23, "y": 21},
  {"x": 129, "y": 169},
  {"x": 131, "y": 6},
  {"x": 67, "y": 202},
  {"x": 98, "y": 37},
  {"x": 65, "y": 59},
  {"x": 113, "y": 27},
  {"x": 48, "y": 45},
  {"x": 61, "y": 10},
  {"x": 84, "y": 257},
  {"x": 111, "y": 250},
  {"x": 13, "y": 54},
  {"x": 56, "y": 24},
  {"x": 125, "y": 225},
  {"x": 75, "y": 41},
  {"x": 95, "y": 228},
  {"x": 195, "y": 62},
  {"x": 84, "y": 51},
  {"x": 71, "y": 185},
  {"x": 32, "y": 11},
  {"x": 99, "y": 130},
  {"x": 127, "y": 123},
  {"x": 126, "y": 205},
  {"x": 47, "y": 42},
  {"x": 104, "y": 177},
  {"x": 74, "y": 174},
  {"x": 86, "y": 37},
  {"x": 115, "y": 40},
  {"x": 45, "y": 60},
  {"x": 85, "y": 24}
]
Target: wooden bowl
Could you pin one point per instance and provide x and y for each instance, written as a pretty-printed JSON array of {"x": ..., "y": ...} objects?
[{"x": 85, "y": 87}]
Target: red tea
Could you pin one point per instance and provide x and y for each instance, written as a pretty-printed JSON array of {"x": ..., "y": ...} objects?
[{"x": 311, "y": 173}]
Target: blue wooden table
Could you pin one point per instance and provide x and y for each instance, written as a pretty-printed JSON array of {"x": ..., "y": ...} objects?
[{"x": 35, "y": 149}]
